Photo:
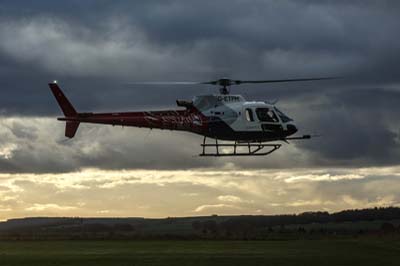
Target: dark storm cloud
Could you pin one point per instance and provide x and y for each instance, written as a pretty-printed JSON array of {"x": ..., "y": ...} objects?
[
  {"x": 192, "y": 40},
  {"x": 94, "y": 47},
  {"x": 38, "y": 146}
]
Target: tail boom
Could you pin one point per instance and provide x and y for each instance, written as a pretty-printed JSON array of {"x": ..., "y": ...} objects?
[{"x": 184, "y": 120}]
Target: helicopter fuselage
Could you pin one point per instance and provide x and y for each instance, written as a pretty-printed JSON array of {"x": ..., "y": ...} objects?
[{"x": 223, "y": 117}]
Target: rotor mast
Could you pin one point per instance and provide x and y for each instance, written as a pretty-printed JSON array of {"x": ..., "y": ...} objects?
[{"x": 225, "y": 83}]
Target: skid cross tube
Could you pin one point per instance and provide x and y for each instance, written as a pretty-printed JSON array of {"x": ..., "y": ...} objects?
[{"x": 254, "y": 148}]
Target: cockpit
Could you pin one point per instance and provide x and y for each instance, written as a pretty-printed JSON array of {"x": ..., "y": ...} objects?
[
  {"x": 266, "y": 114},
  {"x": 282, "y": 116}
]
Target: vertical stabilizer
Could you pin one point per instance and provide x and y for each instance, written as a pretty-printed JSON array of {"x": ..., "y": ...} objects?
[
  {"x": 69, "y": 111},
  {"x": 63, "y": 102},
  {"x": 70, "y": 128}
]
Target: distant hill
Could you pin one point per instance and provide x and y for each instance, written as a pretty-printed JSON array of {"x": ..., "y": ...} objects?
[{"x": 308, "y": 224}]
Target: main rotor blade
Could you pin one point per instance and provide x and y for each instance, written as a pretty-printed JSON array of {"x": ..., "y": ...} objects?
[
  {"x": 225, "y": 82},
  {"x": 237, "y": 82},
  {"x": 165, "y": 83}
]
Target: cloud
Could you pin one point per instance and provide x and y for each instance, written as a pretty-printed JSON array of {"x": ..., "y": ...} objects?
[
  {"x": 309, "y": 203},
  {"x": 121, "y": 51},
  {"x": 94, "y": 48},
  {"x": 6, "y": 151},
  {"x": 215, "y": 207},
  {"x": 380, "y": 201},
  {"x": 177, "y": 40},
  {"x": 38, "y": 145},
  {"x": 108, "y": 148},
  {"x": 174, "y": 41},
  {"x": 323, "y": 177},
  {"x": 149, "y": 40},
  {"x": 49, "y": 206},
  {"x": 230, "y": 198},
  {"x": 131, "y": 192},
  {"x": 61, "y": 48}
]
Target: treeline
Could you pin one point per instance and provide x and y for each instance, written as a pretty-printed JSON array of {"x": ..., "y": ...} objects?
[
  {"x": 381, "y": 221},
  {"x": 374, "y": 221},
  {"x": 373, "y": 214}
]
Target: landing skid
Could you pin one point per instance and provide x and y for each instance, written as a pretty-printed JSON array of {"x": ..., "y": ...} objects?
[{"x": 253, "y": 148}]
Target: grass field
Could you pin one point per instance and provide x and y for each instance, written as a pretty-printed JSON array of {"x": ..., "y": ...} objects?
[{"x": 294, "y": 252}]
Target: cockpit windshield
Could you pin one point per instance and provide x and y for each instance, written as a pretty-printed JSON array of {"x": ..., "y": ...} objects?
[
  {"x": 282, "y": 116},
  {"x": 266, "y": 115}
]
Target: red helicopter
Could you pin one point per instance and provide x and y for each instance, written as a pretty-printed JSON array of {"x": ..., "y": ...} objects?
[{"x": 248, "y": 126}]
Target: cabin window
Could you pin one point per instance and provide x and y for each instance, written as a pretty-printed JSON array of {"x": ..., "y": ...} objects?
[
  {"x": 266, "y": 115},
  {"x": 249, "y": 115}
]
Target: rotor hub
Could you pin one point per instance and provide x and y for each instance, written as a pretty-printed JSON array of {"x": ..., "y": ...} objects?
[{"x": 225, "y": 83}]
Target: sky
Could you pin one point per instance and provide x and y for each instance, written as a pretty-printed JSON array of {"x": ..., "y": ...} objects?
[{"x": 94, "y": 48}]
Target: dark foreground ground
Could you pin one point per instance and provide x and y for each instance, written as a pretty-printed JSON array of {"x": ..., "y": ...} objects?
[{"x": 375, "y": 251}]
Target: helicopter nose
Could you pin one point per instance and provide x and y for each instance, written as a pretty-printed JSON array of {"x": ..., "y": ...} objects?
[{"x": 291, "y": 129}]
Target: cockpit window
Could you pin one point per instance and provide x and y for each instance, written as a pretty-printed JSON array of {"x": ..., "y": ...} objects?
[
  {"x": 283, "y": 117},
  {"x": 266, "y": 115},
  {"x": 249, "y": 115}
]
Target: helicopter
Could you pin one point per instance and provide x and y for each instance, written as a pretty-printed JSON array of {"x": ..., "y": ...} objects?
[{"x": 249, "y": 127}]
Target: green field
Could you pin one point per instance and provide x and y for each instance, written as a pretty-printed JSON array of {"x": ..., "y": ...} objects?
[{"x": 293, "y": 252}]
